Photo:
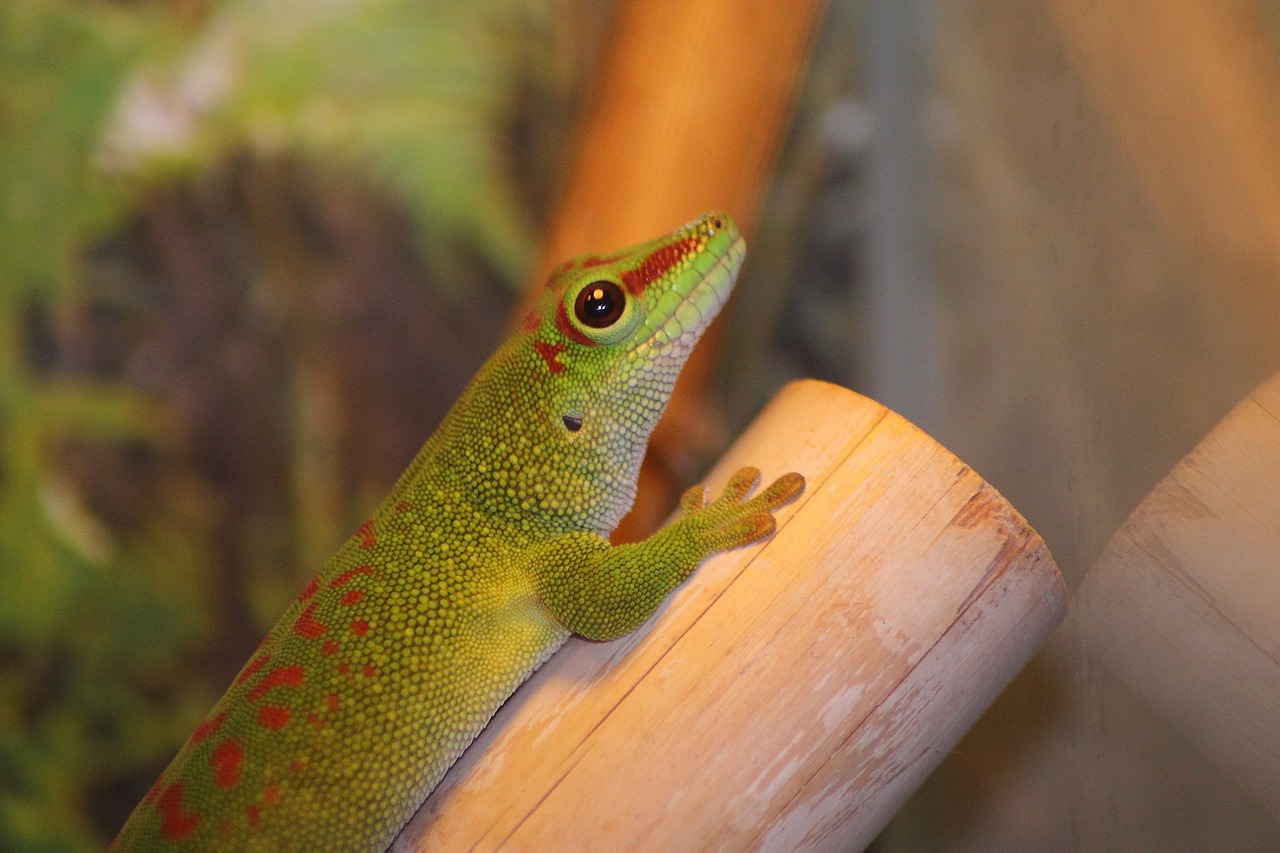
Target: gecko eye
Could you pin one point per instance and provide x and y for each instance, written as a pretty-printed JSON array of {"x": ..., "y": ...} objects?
[{"x": 599, "y": 304}]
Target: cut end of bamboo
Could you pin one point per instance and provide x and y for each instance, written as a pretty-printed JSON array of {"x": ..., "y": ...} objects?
[{"x": 789, "y": 695}]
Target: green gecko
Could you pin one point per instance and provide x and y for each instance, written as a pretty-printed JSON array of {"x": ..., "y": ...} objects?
[{"x": 491, "y": 549}]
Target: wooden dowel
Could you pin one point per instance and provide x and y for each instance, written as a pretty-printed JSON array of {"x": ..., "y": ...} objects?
[
  {"x": 1184, "y": 603},
  {"x": 789, "y": 695}
]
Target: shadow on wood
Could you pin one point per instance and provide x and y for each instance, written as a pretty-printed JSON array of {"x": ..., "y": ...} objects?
[
  {"x": 1182, "y": 603},
  {"x": 789, "y": 695}
]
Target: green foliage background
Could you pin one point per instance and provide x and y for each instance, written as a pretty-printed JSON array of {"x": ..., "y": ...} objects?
[{"x": 267, "y": 136}]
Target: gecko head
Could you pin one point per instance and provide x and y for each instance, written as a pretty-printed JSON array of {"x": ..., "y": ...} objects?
[
  {"x": 566, "y": 407},
  {"x": 614, "y": 332}
]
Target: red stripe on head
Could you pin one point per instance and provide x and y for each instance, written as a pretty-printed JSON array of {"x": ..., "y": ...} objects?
[
  {"x": 594, "y": 261},
  {"x": 352, "y": 596},
  {"x": 360, "y": 627},
  {"x": 550, "y": 354},
  {"x": 568, "y": 329},
  {"x": 225, "y": 761},
  {"x": 656, "y": 265}
]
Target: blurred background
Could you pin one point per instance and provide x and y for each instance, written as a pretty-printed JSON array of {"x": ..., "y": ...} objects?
[{"x": 251, "y": 251}]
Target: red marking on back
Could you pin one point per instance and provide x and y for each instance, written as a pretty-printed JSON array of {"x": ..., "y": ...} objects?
[
  {"x": 344, "y": 668},
  {"x": 306, "y": 624},
  {"x": 273, "y": 717},
  {"x": 314, "y": 719},
  {"x": 365, "y": 532},
  {"x": 549, "y": 353},
  {"x": 531, "y": 322},
  {"x": 569, "y": 330},
  {"x": 271, "y": 793},
  {"x": 331, "y": 701},
  {"x": 329, "y": 648},
  {"x": 175, "y": 824},
  {"x": 351, "y": 597},
  {"x": 253, "y": 815},
  {"x": 360, "y": 627},
  {"x": 655, "y": 266},
  {"x": 298, "y": 765},
  {"x": 402, "y": 506},
  {"x": 345, "y": 578},
  {"x": 281, "y": 676},
  {"x": 153, "y": 791},
  {"x": 208, "y": 727},
  {"x": 252, "y": 667},
  {"x": 310, "y": 590},
  {"x": 225, "y": 761},
  {"x": 369, "y": 670}
]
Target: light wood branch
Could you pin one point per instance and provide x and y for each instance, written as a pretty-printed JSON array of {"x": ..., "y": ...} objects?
[{"x": 790, "y": 695}]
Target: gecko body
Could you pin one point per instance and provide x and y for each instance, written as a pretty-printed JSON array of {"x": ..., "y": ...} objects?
[{"x": 489, "y": 552}]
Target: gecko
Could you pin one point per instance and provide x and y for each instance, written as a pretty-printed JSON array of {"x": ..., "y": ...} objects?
[{"x": 491, "y": 549}]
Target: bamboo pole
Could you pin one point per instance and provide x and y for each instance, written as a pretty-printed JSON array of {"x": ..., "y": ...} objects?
[
  {"x": 689, "y": 116},
  {"x": 790, "y": 695},
  {"x": 1183, "y": 602}
]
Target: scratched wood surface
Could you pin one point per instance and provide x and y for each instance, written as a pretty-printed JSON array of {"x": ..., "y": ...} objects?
[
  {"x": 790, "y": 695},
  {"x": 1182, "y": 603},
  {"x": 1107, "y": 227}
]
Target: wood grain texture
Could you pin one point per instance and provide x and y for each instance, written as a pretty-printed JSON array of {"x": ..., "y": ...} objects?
[
  {"x": 1182, "y": 603},
  {"x": 790, "y": 695}
]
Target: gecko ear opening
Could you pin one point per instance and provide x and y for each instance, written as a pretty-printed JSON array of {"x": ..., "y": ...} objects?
[{"x": 571, "y": 423}]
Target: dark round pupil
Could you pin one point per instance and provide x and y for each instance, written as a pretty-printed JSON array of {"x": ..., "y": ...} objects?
[{"x": 599, "y": 304}]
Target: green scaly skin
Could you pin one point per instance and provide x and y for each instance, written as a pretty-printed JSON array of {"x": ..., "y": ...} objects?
[{"x": 488, "y": 553}]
